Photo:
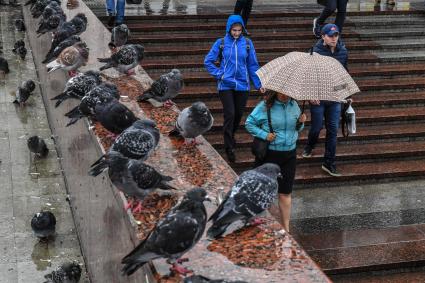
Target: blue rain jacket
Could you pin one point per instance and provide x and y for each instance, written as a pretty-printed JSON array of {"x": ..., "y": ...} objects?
[
  {"x": 238, "y": 65},
  {"x": 284, "y": 117}
]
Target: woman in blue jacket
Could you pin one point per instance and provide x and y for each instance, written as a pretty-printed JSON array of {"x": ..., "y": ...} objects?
[
  {"x": 238, "y": 64},
  {"x": 286, "y": 121}
]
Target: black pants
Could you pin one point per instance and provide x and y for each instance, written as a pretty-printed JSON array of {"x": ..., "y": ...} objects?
[
  {"x": 243, "y": 8},
  {"x": 287, "y": 162},
  {"x": 234, "y": 103},
  {"x": 331, "y": 6}
]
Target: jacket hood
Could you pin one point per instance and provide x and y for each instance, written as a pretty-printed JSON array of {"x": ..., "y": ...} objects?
[{"x": 234, "y": 19}]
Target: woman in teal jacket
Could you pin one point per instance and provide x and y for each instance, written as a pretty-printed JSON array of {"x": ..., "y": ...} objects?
[
  {"x": 286, "y": 121},
  {"x": 238, "y": 64}
]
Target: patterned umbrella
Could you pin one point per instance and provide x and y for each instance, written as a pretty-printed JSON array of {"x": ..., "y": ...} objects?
[{"x": 305, "y": 76}]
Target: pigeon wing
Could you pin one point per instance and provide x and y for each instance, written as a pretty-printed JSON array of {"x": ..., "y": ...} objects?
[{"x": 135, "y": 144}]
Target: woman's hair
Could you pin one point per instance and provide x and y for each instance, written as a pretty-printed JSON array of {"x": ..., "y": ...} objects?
[{"x": 269, "y": 98}]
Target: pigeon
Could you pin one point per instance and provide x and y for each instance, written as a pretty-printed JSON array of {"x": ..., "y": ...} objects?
[
  {"x": 20, "y": 25},
  {"x": 252, "y": 193},
  {"x": 127, "y": 58},
  {"x": 43, "y": 224},
  {"x": 37, "y": 146},
  {"x": 69, "y": 272},
  {"x": 114, "y": 116},
  {"x": 101, "y": 94},
  {"x": 133, "y": 177},
  {"x": 49, "y": 25},
  {"x": 24, "y": 92},
  {"x": 38, "y": 7},
  {"x": 64, "y": 44},
  {"x": 70, "y": 59},
  {"x": 30, "y": 2},
  {"x": 119, "y": 36},
  {"x": 165, "y": 88},
  {"x": 19, "y": 49},
  {"x": 62, "y": 33},
  {"x": 80, "y": 23},
  {"x": 4, "y": 67},
  {"x": 77, "y": 87},
  {"x": 193, "y": 121},
  {"x": 173, "y": 235},
  {"x": 136, "y": 142},
  {"x": 203, "y": 279}
]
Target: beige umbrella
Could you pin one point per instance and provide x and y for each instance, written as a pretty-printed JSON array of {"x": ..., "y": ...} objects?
[{"x": 305, "y": 76}]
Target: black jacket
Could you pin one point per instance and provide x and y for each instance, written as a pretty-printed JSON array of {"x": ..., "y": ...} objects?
[{"x": 340, "y": 54}]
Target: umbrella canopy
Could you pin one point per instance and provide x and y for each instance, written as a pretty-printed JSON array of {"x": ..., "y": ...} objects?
[{"x": 305, "y": 76}]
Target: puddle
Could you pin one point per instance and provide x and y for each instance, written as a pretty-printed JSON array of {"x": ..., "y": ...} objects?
[{"x": 43, "y": 253}]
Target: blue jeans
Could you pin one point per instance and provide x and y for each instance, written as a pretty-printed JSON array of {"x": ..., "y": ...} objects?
[
  {"x": 117, "y": 10},
  {"x": 331, "y": 111},
  {"x": 331, "y": 6}
]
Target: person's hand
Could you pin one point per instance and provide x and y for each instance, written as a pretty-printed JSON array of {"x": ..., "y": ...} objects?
[
  {"x": 302, "y": 118},
  {"x": 262, "y": 90},
  {"x": 271, "y": 136},
  {"x": 315, "y": 102}
]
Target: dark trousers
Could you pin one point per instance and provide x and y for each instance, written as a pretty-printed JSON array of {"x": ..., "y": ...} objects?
[
  {"x": 331, "y": 6},
  {"x": 331, "y": 111},
  {"x": 287, "y": 162},
  {"x": 234, "y": 103},
  {"x": 243, "y": 8}
]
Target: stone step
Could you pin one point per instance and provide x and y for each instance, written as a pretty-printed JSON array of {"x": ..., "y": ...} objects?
[
  {"x": 412, "y": 274},
  {"x": 366, "y": 249}
]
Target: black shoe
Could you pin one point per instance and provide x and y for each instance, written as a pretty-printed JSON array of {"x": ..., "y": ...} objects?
[
  {"x": 231, "y": 155},
  {"x": 316, "y": 28},
  {"x": 111, "y": 21},
  {"x": 331, "y": 170},
  {"x": 307, "y": 151}
]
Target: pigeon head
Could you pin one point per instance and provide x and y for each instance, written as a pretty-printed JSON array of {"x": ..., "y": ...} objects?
[
  {"x": 29, "y": 85},
  {"x": 123, "y": 28},
  {"x": 269, "y": 169},
  {"x": 33, "y": 141},
  {"x": 54, "y": 21},
  {"x": 82, "y": 17},
  {"x": 95, "y": 75},
  {"x": 83, "y": 49},
  {"x": 109, "y": 87},
  {"x": 200, "y": 108},
  {"x": 140, "y": 50},
  {"x": 176, "y": 74},
  {"x": 19, "y": 43},
  {"x": 196, "y": 194}
]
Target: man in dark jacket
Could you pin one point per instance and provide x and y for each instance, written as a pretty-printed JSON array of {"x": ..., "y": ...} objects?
[
  {"x": 243, "y": 8},
  {"x": 328, "y": 10},
  {"x": 329, "y": 45}
]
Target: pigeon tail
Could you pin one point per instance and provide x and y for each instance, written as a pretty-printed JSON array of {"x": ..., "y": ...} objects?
[
  {"x": 44, "y": 152},
  {"x": 107, "y": 66},
  {"x": 216, "y": 231},
  {"x": 131, "y": 267},
  {"x": 98, "y": 166},
  {"x": 165, "y": 186},
  {"x": 74, "y": 115},
  {"x": 145, "y": 96},
  {"x": 60, "y": 98},
  {"x": 174, "y": 133}
]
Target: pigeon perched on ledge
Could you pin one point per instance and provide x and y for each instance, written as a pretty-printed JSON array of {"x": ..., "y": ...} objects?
[
  {"x": 127, "y": 58},
  {"x": 43, "y": 224},
  {"x": 69, "y": 272},
  {"x": 64, "y": 44},
  {"x": 70, "y": 59},
  {"x": 24, "y": 92},
  {"x": 37, "y": 146},
  {"x": 173, "y": 235},
  {"x": 253, "y": 192}
]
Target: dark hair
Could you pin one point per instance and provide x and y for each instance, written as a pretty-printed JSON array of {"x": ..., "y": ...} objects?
[{"x": 269, "y": 98}]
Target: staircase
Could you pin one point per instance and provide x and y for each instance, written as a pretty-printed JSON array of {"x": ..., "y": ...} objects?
[{"x": 387, "y": 60}]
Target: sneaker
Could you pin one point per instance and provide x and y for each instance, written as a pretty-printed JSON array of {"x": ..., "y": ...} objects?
[
  {"x": 111, "y": 20},
  {"x": 331, "y": 170},
  {"x": 316, "y": 28},
  {"x": 231, "y": 155},
  {"x": 307, "y": 152}
]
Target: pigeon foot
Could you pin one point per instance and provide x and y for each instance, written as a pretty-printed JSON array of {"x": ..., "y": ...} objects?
[
  {"x": 169, "y": 103},
  {"x": 180, "y": 269},
  {"x": 138, "y": 208},
  {"x": 72, "y": 73},
  {"x": 131, "y": 72},
  {"x": 129, "y": 204},
  {"x": 257, "y": 221}
]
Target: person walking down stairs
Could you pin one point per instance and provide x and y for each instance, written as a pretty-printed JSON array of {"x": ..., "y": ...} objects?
[
  {"x": 116, "y": 10},
  {"x": 243, "y": 8},
  {"x": 328, "y": 10}
]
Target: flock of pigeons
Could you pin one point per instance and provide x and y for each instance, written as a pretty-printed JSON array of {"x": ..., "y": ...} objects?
[{"x": 134, "y": 141}]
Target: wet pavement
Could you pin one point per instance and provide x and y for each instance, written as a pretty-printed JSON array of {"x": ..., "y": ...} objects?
[{"x": 28, "y": 185}]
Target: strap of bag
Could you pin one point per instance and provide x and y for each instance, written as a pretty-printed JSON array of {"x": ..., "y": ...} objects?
[
  {"x": 269, "y": 119},
  {"x": 344, "y": 122},
  {"x": 221, "y": 48}
]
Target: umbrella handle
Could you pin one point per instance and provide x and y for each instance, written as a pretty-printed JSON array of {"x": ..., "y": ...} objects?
[{"x": 302, "y": 112}]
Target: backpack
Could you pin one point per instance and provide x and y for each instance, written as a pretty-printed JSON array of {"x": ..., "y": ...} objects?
[{"x": 220, "y": 54}]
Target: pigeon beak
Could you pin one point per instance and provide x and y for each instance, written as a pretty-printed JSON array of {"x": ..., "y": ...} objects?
[{"x": 279, "y": 176}]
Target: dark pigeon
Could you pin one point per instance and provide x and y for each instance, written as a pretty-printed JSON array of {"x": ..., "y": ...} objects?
[
  {"x": 101, "y": 94},
  {"x": 64, "y": 44},
  {"x": 4, "y": 67},
  {"x": 30, "y": 2},
  {"x": 69, "y": 272},
  {"x": 173, "y": 236},
  {"x": 24, "y": 92},
  {"x": 203, "y": 279},
  {"x": 80, "y": 23},
  {"x": 77, "y": 87},
  {"x": 60, "y": 35},
  {"x": 119, "y": 36},
  {"x": 136, "y": 142},
  {"x": 37, "y": 146},
  {"x": 253, "y": 192},
  {"x": 43, "y": 224},
  {"x": 193, "y": 121},
  {"x": 20, "y": 25},
  {"x": 38, "y": 7},
  {"x": 133, "y": 177},
  {"x": 127, "y": 58},
  {"x": 49, "y": 25},
  {"x": 114, "y": 116},
  {"x": 19, "y": 49},
  {"x": 165, "y": 88}
]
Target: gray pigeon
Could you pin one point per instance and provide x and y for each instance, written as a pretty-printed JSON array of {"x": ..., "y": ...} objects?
[
  {"x": 127, "y": 58},
  {"x": 43, "y": 224},
  {"x": 24, "y": 92},
  {"x": 165, "y": 88},
  {"x": 173, "y": 235},
  {"x": 136, "y": 142},
  {"x": 69, "y": 272},
  {"x": 20, "y": 25},
  {"x": 70, "y": 59},
  {"x": 77, "y": 87},
  {"x": 193, "y": 121},
  {"x": 203, "y": 279},
  {"x": 64, "y": 44},
  {"x": 133, "y": 177},
  {"x": 253, "y": 192},
  {"x": 101, "y": 94},
  {"x": 119, "y": 36},
  {"x": 4, "y": 67},
  {"x": 38, "y": 146}
]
